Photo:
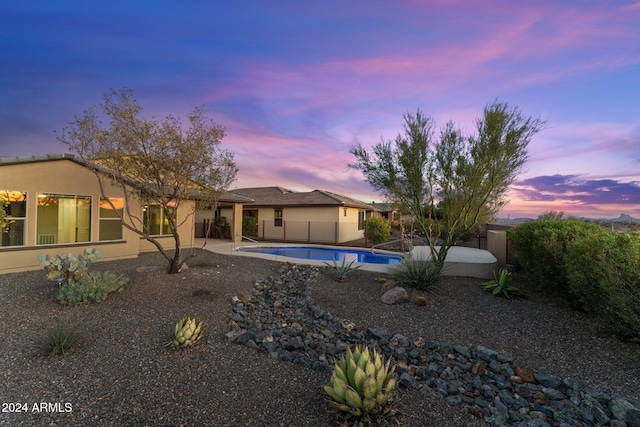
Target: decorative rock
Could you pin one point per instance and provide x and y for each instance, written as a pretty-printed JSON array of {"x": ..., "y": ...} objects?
[
  {"x": 280, "y": 319},
  {"x": 386, "y": 286},
  {"x": 548, "y": 381},
  {"x": 421, "y": 301},
  {"x": 408, "y": 381},
  {"x": 486, "y": 354},
  {"x": 619, "y": 408},
  {"x": 525, "y": 374},
  {"x": 396, "y": 295}
]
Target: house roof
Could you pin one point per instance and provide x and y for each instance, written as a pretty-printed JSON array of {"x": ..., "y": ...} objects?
[
  {"x": 279, "y": 196},
  {"x": 7, "y": 160}
]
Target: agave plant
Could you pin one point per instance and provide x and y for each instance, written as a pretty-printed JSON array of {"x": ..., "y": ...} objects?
[
  {"x": 342, "y": 269},
  {"x": 187, "y": 332},
  {"x": 500, "y": 285},
  {"x": 362, "y": 385}
]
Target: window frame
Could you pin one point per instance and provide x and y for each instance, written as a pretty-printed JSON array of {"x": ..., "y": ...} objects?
[
  {"x": 278, "y": 220},
  {"x": 66, "y": 196},
  {"x": 105, "y": 220},
  {"x": 12, "y": 219},
  {"x": 164, "y": 229}
]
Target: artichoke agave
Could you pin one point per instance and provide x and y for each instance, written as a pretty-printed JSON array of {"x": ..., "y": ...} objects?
[
  {"x": 362, "y": 384},
  {"x": 188, "y": 331}
]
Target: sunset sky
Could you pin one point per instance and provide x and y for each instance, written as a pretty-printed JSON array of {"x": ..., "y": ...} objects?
[{"x": 297, "y": 84}]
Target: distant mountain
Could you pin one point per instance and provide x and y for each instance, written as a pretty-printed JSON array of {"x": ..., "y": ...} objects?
[
  {"x": 623, "y": 218},
  {"x": 626, "y": 219}
]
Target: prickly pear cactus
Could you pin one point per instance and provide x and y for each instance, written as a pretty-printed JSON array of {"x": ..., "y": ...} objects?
[{"x": 65, "y": 267}]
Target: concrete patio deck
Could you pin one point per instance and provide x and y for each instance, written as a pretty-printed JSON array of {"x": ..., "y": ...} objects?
[{"x": 460, "y": 261}]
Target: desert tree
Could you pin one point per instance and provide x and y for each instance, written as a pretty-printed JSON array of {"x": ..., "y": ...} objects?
[
  {"x": 448, "y": 184},
  {"x": 160, "y": 162}
]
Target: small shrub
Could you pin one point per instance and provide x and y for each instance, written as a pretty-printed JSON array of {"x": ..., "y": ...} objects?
[
  {"x": 342, "y": 269},
  {"x": 604, "y": 279},
  {"x": 220, "y": 224},
  {"x": 92, "y": 287},
  {"x": 362, "y": 385},
  {"x": 58, "y": 340},
  {"x": 500, "y": 285},
  {"x": 418, "y": 274},
  {"x": 541, "y": 248},
  {"x": 377, "y": 230},
  {"x": 249, "y": 226}
]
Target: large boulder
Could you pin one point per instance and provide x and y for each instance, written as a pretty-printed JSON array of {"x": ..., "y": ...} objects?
[{"x": 396, "y": 295}]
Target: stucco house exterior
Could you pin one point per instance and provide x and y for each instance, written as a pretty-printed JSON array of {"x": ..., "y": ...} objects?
[
  {"x": 55, "y": 205},
  {"x": 316, "y": 216}
]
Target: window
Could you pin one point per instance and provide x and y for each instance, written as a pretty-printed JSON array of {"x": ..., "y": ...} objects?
[
  {"x": 110, "y": 227},
  {"x": 15, "y": 214},
  {"x": 63, "y": 218},
  {"x": 361, "y": 215},
  {"x": 277, "y": 217},
  {"x": 155, "y": 222}
]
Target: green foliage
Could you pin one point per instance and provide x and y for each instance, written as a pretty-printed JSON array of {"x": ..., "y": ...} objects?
[
  {"x": 342, "y": 269},
  {"x": 220, "y": 224},
  {"x": 65, "y": 267},
  {"x": 418, "y": 274},
  {"x": 552, "y": 215},
  {"x": 449, "y": 185},
  {"x": 362, "y": 385},
  {"x": 499, "y": 286},
  {"x": 541, "y": 247},
  {"x": 187, "y": 332},
  {"x": 594, "y": 269},
  {"x": 59, "y": 340},
  {"x": 4, "y": 222},
  {"x": 604, "y": 278},
  {"x": 249, "y": 226},
  {"x": 377, "y": 230},
  {"x": 92, "y": 287}
]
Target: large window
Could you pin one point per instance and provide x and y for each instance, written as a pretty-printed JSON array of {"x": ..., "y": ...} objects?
[
  {"x": 277, "y": 217},
  {"x": 155, "y": 222},
  {"x": 111, "y": 218},
  {"x": 15, "y": 214},
  {"x": 63, "y": 218}
]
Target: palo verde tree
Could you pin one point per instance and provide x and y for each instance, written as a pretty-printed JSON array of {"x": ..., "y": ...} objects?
[
  {"x": 163, "y": 162},
  {"x": 448, "y": 185}
]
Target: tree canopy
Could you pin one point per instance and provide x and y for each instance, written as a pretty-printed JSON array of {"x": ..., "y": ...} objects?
[
  {"x": 164, "y": 161},
  {"x": 449, "y": 184}
]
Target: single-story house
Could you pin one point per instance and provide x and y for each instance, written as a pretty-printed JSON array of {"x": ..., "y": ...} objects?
[
  {"x": 55, "y": 205},
  {"x": 316, "y": 216}
]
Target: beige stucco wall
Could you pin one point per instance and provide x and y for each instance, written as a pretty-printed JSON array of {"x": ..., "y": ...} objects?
[
  {"x": 60, "y": 177},
  {"x": 309, "y": 224}
]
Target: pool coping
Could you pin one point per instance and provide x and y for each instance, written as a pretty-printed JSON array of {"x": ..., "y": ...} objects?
[{"x": 460, "y": 261}]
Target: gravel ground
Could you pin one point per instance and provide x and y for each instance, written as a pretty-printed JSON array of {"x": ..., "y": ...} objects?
[{"x": 122, "y": 374}]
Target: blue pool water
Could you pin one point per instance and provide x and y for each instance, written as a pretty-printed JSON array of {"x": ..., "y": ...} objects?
[{"x": 326, "y": 254}]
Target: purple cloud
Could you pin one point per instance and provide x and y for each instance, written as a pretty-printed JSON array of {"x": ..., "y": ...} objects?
[{"x": 574, "y": 189}]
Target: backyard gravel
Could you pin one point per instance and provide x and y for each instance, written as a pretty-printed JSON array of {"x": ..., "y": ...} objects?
[{"x": 122, "y": 373}]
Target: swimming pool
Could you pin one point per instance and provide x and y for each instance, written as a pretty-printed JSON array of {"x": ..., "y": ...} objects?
[{"x": 326, "y": 254}]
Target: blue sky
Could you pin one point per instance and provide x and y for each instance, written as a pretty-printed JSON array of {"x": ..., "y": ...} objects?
[{"x": 297, "y": 84}]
